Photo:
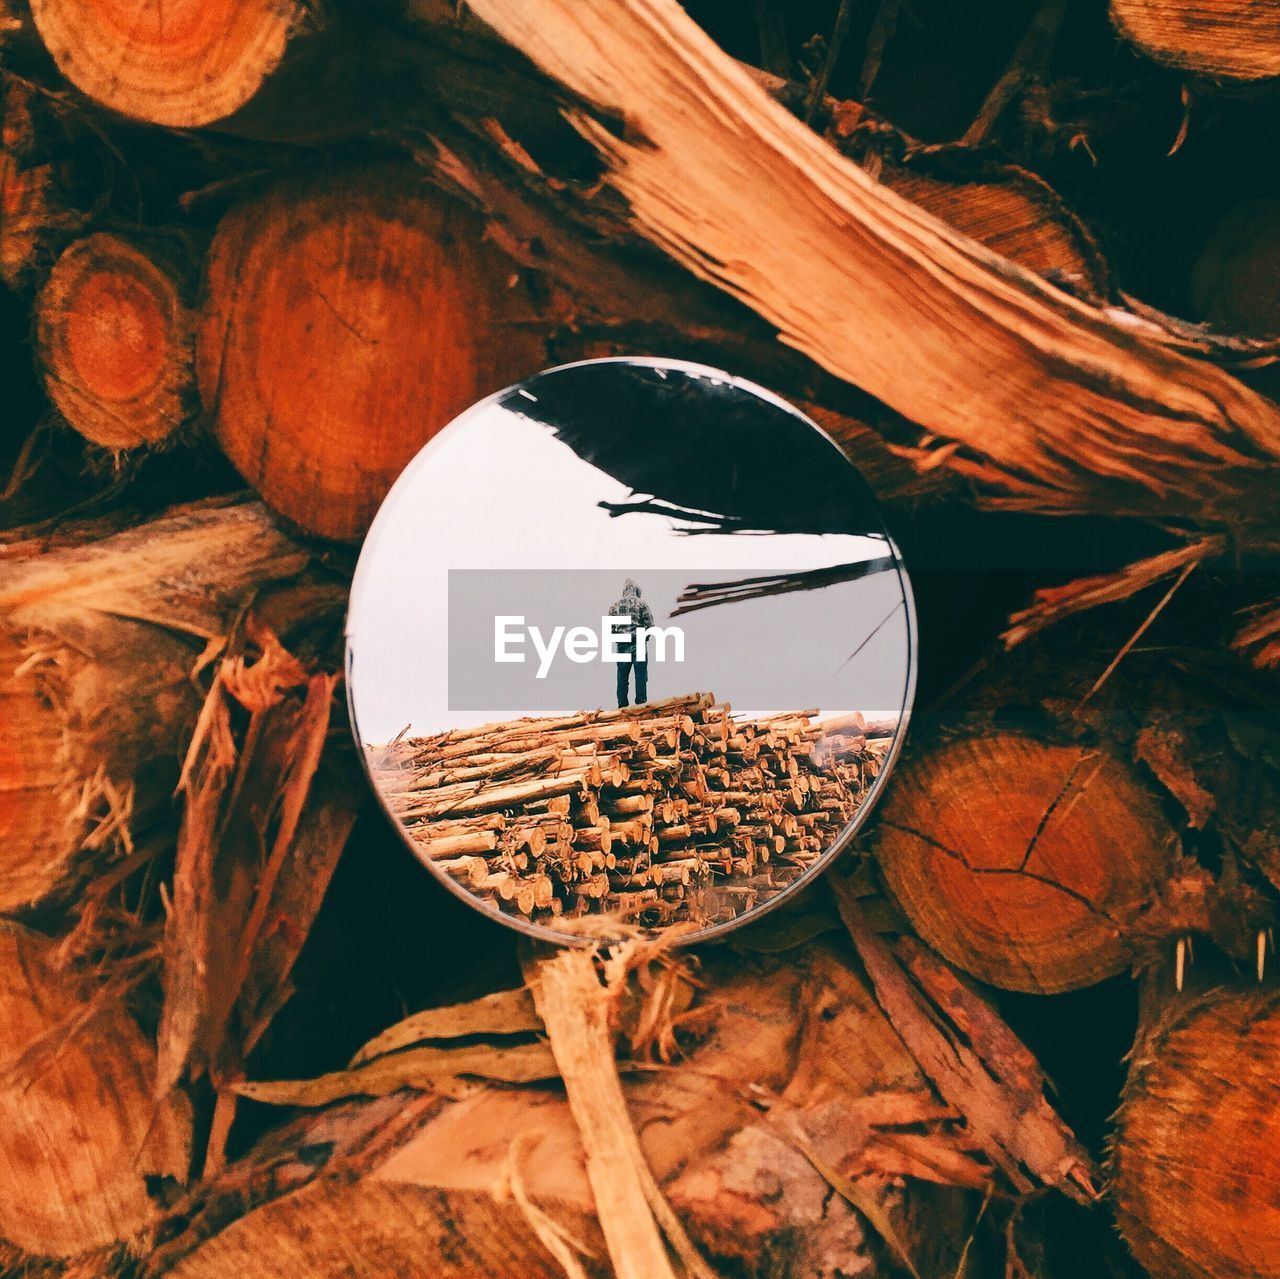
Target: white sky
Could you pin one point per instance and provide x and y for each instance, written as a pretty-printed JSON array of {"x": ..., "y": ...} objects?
[{"x": 495, "y": 490}]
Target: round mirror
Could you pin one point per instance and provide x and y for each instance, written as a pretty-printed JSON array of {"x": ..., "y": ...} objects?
[{"x": 629, "y": 643}]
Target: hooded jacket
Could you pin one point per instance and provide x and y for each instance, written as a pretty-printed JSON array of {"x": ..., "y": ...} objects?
[{"x": 632, "y": 606}]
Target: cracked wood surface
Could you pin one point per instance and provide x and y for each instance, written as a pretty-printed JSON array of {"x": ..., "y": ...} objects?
[
  {"x": 1021, "y": 860},
  {"x": 1050, "y": 400}
]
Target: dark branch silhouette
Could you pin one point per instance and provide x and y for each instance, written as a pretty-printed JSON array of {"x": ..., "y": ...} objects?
[{"x": 698, "y": 595}]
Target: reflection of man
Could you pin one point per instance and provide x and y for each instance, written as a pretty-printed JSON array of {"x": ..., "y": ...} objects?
[{"x": 641, "y": 615}]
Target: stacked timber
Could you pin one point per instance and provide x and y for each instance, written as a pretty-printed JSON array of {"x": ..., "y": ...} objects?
[
  {"x": 279, "y": 245},
  {"x": 676, "y": 811}
]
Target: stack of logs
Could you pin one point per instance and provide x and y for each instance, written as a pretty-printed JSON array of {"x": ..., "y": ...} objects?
[
  {"x": 670, "y": 812},
  {"x": 282, "y": 244}
]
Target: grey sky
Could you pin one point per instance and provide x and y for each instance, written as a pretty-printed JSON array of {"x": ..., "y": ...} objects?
[{"x": 496, "y": 491}]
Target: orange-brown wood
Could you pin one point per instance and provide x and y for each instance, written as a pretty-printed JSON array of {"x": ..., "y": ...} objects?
[
  {"x": 81, "y": 1130},
  {"x": 1196, "y": 1164},
  {"x": 348, "y": 319},
  {"x": 98, "y": 642},
  {"x": 1022, "y": 861},
  {"x": 1232, "y": 40},
  {"x": 441, "y": 1202},
  {"x": 180, "y": 63},
  {"x": 115, "y": 338}
]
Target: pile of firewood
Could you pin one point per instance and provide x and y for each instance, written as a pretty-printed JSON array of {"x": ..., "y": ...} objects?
[
  {"x": 672, "y": 812},
  {"x": 1020, "y": 263}
]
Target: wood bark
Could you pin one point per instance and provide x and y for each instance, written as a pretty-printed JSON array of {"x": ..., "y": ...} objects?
[
  {"x": 116, "y": 336},
  {"x": 99, "y": 642},
  {"x": 1007, "y": 368},
  {"x": 366, "y": 299},
  {"x": 412, "y": 209},
  {"x": 1002, "y": 206},
  {"x": 971, "y": 1058},
  {"x": 445, "y": 1197},
  {"x": 266, "y": 815}
]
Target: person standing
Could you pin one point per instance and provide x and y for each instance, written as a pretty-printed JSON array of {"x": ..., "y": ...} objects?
[{"x": 633, "y": 644}]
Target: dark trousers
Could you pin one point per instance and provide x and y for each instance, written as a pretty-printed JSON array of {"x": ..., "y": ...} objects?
[{"x": 624, "y": 679}]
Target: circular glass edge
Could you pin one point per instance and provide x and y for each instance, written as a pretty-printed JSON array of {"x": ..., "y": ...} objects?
[{"x": 714, "y": 932}]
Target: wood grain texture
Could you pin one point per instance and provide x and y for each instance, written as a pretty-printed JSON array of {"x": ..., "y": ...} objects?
[
  {"x": 1021, "y": 860},
  {"x": 99, "y": 643},
  {"x": 182, "y": 63},
  {"x": 116, "y": 341},
  {"x": 1073, "y": 407},
  {"x": 81, "y": 1129},
  {"x": 1230, "y": 40},
  {"x": 347, "y": 321},
  {"x": 1196, "y": 1168},
  {"x": 800, "y": 1031}
]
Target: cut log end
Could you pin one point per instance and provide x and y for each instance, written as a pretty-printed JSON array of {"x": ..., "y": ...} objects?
[
  {"x": 1001, "y": 863},
  {"x": 1018, "y": 217},
  {"x": 115, "y": 340},
  {"x": 73, "y": 1171},
  {"x": 1196, "y": 1167},
  {"x": 1235, "y": 40},
  {"x": 365, "y": 300},
  {"x": 183, "y": 64},
  {"x": 680, "y": 834}
]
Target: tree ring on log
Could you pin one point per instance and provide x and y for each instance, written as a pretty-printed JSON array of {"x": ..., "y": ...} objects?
[
  {"x": 74, "y": 1172},
  {"x": 1232, "y": 40},
  {"x": 115, "y": 339},
  {"x": 1020, "y": 859},
  {"x": 183, "y": 63},
  {"x": 346, "y": 322}
]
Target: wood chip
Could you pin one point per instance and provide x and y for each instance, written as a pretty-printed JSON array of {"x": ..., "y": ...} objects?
[{"x": 974, "y": 1060}]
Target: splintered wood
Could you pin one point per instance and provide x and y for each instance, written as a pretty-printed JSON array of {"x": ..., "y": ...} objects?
[{"x": 674, "y": 812}]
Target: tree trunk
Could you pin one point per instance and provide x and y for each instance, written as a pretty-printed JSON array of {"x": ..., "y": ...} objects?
[
  {"x": 182, "y": 65},
  {"x": 1023, "y": 860},
  {"x": 85, "y": 1145},
  {"x": 1014, "y": 215},
  {"x": 413, "y": 203},
  {"x": 1219, "y": 40},
  {"x": 989, "y": 343}
]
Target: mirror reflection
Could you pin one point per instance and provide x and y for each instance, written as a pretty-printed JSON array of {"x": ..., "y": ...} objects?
[{"x": 628, "y": 642}]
